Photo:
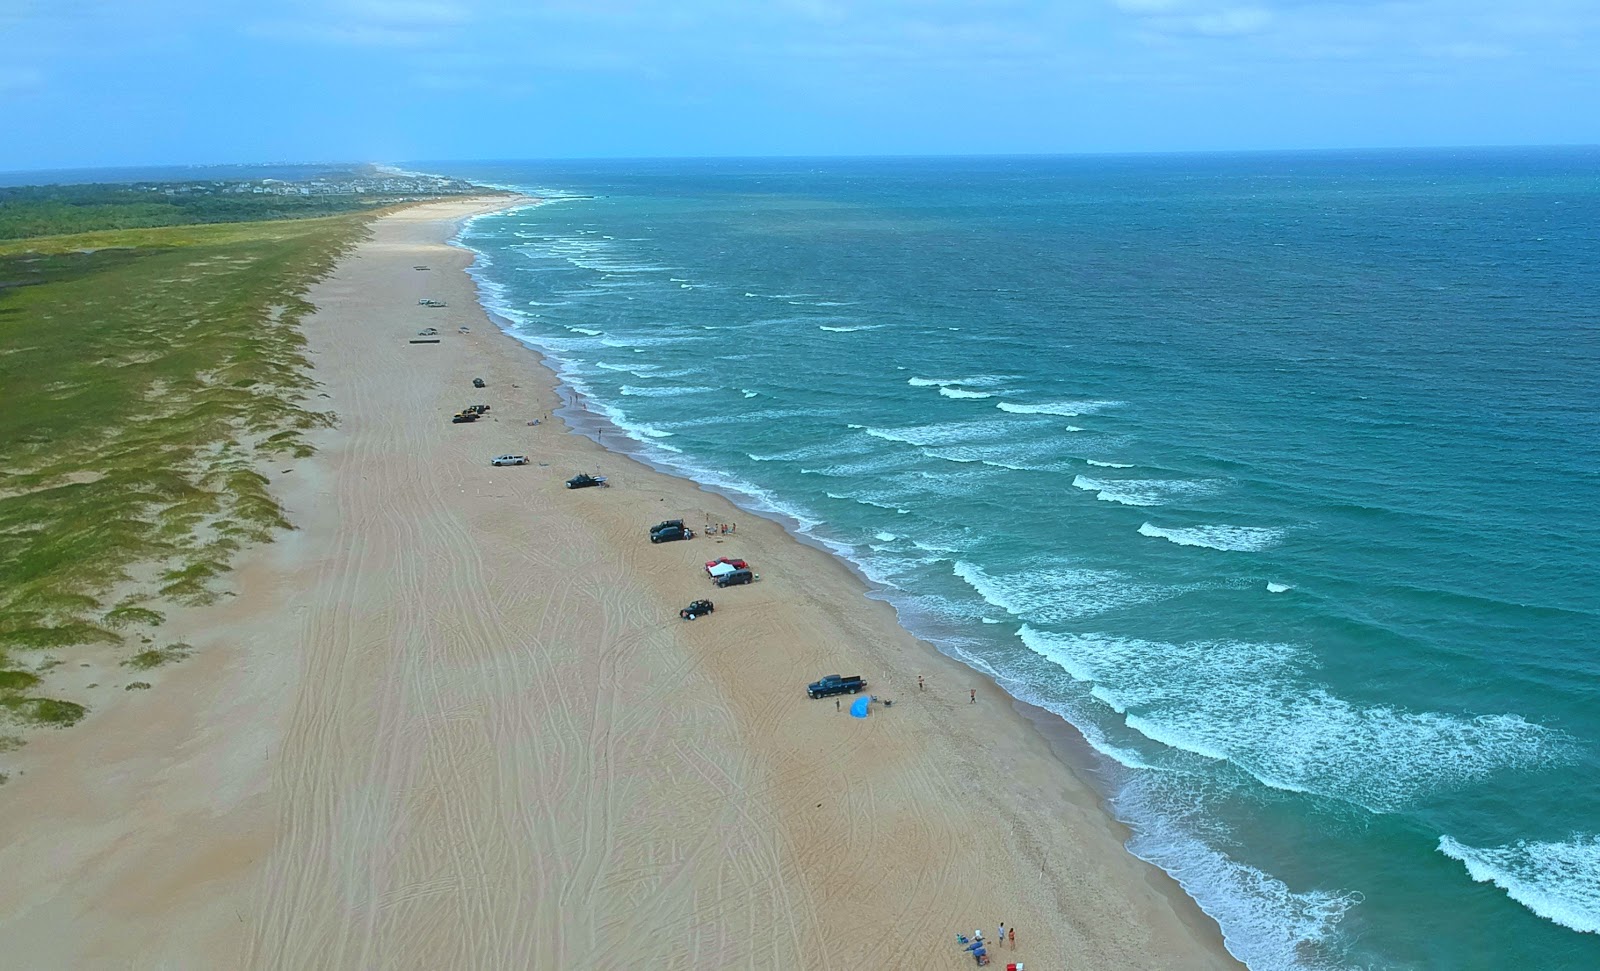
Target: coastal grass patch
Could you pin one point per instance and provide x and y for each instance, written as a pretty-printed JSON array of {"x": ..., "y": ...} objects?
[
  {"x": 145, "y": 372},
  {"x": 155, "y": 657}
]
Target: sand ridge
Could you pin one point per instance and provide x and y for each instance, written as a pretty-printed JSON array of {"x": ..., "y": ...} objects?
[{"x": 454, "y": 721}]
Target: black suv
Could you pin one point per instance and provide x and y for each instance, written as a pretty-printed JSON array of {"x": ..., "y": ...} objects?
[
  {"x": 697, "y": 609},
  {"x": 735, "y": 578},
  {"x": 671, "y": 533},
  {"x": 584, "y": 480},
  {"x": 658, "y": 527}
]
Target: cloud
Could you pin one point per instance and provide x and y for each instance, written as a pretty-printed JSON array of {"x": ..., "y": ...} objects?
[
  {"x": 368, "y": 23},
  {"x": 1198, "y": 17}
]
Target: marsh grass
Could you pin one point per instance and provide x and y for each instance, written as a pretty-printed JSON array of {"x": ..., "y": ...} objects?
[{"x": 145, "y": 373}]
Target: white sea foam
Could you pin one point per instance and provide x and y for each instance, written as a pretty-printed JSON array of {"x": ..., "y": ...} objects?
[
  {"x": 665, "y": 392},
  {"x": 1245, "y": 539},
  {"x": 1254, "y": 705},
  {"x": 976, "y": 381},
  {"x": 585, "y": 330},
  {"x": 1142, "y": 492},
  {"x": 875, "y": 503},
  {"x": 1110, "y": 465},
  {"x": 949, "y": 392},
  {"x": 1558, "y": 881},
  {"x": 638, "y": 370},
  {"x": 1278, "y": 587},
  {"x": 848, "y": 330},
  {"x": 1055, "y": 595},
  {"x": 1265, "y": 924},
  {"x": 1066, "y": 409},
  {"x": 941, "y": 434},
  {"x": 884, "y": 537}
]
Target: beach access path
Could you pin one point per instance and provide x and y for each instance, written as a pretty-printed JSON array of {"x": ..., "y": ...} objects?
[{"x": 454, "y": 721}]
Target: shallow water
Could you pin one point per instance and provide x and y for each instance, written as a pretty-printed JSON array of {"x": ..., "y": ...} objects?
[{"x": 1277, "y": 475}]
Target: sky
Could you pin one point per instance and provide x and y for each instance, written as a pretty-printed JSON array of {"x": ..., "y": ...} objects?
[{"x": 88, "y": 83}]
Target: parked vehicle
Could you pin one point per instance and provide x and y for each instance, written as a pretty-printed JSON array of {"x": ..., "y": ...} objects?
[
  {"x": 671, "y": 533},
  {"x": 736, "y": 578},
  {"x": 476, "y": 409},
  {"x": 477, "y": 382},
  {"x": 658, "y": 527},
  {"x": 509, "y": 460},
  {"x": 697, "y": 609},
  {"x": 736, "y": 564},
  {"x": 584, "y": 480},
  {"x": 464, "y": 417},
  {"x": 835, "y": 684},
  {"x": 427, "y": 332}
]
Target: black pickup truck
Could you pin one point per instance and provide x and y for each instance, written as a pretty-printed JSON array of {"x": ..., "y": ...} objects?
[{"x": 835, "y": 684}]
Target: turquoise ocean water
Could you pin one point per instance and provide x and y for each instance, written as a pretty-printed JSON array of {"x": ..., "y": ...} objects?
[{"x": 1276, "y": 475}]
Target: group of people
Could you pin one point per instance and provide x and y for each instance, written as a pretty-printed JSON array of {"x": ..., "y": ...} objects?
[
  {"x": 980, "y": 947},
  {"x": 714, "y": 529}
]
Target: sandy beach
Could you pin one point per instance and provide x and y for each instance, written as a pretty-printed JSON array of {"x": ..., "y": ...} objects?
[{"x": 453, "y": 720}]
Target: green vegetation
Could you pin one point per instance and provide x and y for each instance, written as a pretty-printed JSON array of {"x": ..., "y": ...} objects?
[
  {"x": 43, "y": 711},
  {"x": 52, "y": 210},
  {"x": 136, "y": 686},
  {"x": 145, "y": 373},
  {"x": 154, "y": 658}
]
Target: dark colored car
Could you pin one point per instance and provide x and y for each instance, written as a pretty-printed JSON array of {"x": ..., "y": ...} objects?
[
  {"x": 464, "y": 418},
  {"x": 584, "y": 480},
  {"x": 671, "y": 533},
  {"x": 477, "y": 382},
  {"x": 835, "y": 684},
  {"x": 736, "y": 578},
  {"x": 658, "y": 527},
  {"x": 697, "y": 609}
]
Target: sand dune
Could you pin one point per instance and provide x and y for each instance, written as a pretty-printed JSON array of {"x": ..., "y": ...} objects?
[{"x": 454, "y": 721}]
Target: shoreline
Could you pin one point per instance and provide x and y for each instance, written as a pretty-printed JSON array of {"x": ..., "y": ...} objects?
[
  {"x": 453, "y": 717},
  {"x": 1063, "y": 739}
]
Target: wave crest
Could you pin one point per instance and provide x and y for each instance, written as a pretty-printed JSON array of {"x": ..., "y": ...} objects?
[
  {"x": 1244, "y": 539},
  {"x": 1558, "y": 881}
]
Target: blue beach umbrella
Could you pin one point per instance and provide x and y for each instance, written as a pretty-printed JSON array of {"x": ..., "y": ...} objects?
[{"x": 858, "y": 708}]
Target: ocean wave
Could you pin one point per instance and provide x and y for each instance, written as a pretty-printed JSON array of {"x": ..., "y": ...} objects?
[
  {"x": 1066, "y": 409},
  {"x": 1142, "y": 492},
  {"x": 976, "y": 381},
  {"x": 1278, "y": 587},
  {"x": 1243, "y": 539},
  {"x": 1252, "y": 704},
  {"x": 950, "y": 392},
  {"x": 1558, "y": 881},
  {"x": 945, "y": 433},
  {"x": 585, "y": 330},
  {"x": 875, "y": 503},
  {"x": 637, "y": 370},
  {"x": 1110, "y": 465},
  {"x": 1049, "y": 596},
  {"x": 848, "y": 330},
  {"x": 668, "y": 392},
  {"x": 1264, "y": 923}
]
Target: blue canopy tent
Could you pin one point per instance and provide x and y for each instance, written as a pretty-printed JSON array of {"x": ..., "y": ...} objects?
[{"x": 858, "y": 708}]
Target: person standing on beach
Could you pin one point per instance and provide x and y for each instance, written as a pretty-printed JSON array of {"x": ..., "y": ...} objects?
[
  {"x": 974, "y": 695},
  {"x": 836, "y": 704},
  {"x": 1000, "y": 935},
  {"x": 1011, "y": 937},
  {"x": 919, "y": 684}
]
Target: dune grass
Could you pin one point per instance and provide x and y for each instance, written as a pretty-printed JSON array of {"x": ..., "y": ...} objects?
[{"x": 146, "y": 373}]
